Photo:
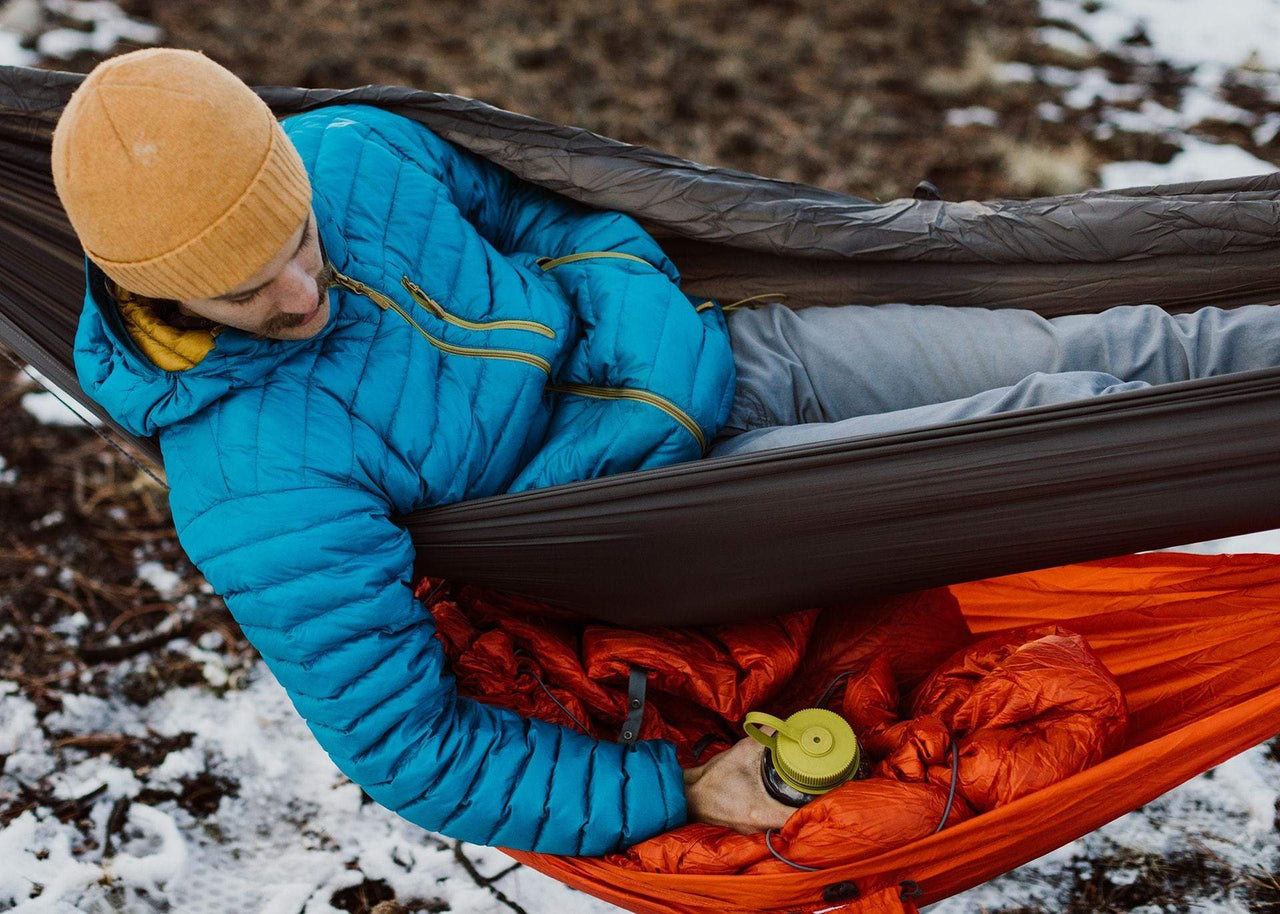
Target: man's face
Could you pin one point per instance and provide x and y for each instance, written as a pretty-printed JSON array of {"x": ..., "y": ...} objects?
[{"x": 286, "y": 300}]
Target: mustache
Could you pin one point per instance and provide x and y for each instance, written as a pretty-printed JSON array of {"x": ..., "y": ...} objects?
[{"x": 324, "y": 279}]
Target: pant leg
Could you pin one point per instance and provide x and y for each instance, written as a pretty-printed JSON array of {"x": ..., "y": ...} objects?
[
  {"x": 1036, "y": 389},
  {"x": 826, "y": 364}
]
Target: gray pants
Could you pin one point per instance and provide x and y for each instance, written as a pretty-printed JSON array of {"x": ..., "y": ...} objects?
[{"x": 821, "y": 373}]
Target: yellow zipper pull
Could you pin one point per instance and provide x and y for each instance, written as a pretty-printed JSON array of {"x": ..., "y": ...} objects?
[
  {"x": 355, "y": 285},
  {"x": 742, "y": 301},
  {"x": 421, "y": 297}
]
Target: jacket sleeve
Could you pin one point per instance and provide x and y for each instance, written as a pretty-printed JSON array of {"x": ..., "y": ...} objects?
[
  {"x": 319, "y": 580},
  {"x": 512, "y": 214}
]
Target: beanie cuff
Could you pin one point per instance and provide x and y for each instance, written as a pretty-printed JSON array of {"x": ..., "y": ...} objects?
[{"x": 238, "y": 244}]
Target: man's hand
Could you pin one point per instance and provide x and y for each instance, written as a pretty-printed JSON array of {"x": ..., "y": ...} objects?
[{"x": 729, "y": 791}]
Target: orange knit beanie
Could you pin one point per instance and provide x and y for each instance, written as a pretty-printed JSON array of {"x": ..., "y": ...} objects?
[{"x": 176, "y": 176}]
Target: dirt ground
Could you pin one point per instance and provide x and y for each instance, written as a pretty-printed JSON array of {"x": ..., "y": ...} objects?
[{"x": 850, "y": 96}]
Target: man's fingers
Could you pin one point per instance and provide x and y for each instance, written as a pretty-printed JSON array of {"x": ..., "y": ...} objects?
[
  {"x": 776, "y": 814},
  {"x": 749, "y": 748},
  {"x": 729, "y": 790},
  {"x": 766, "y": 814}
]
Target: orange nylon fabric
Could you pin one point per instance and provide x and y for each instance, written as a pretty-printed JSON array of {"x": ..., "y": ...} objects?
[
  {"x": 701, "y": 682},
  {"x": 1033, "y": 706},
  {"x": 1190, "y": 639}
]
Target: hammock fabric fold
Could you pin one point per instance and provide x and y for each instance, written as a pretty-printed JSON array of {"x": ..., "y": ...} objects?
[{"x": 780, "y": 530}]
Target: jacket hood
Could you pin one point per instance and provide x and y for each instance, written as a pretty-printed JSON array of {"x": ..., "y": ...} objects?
[{"x": 116, "y": 371}]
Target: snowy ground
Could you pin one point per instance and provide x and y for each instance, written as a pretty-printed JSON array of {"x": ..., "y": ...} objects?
[
  {"x": 1241, "y": 46},
  {"x": 217, "y": 799},
  {"x": 214, "y": 797}
]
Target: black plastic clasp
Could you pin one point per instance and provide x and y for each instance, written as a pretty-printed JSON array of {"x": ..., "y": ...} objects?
[{"x": 841, "y": 891}]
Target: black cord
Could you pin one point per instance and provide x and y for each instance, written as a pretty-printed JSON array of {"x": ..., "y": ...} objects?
[
  {"x": 951, "y": 748},
  {"x": 800, "y": 866},
  {"x": 769, "y": 832},
  {"x": 519, "y": 655},
  {"x": 702, "y": 744},
  {"x": 831, "y": 688},
  {"x": 955, "y": 771},
  {"x": 768, "y": 835}
]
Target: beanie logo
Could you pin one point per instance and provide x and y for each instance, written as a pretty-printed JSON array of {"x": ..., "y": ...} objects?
[{"x": 145, "y": 153}]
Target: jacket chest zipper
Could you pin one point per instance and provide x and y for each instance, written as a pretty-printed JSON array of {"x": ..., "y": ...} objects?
[
  {"x": 385, "y": 302},
  {"x": 550, "y": 263},
  {"x": 438, "y": 310},
  {"x": 640, "y": 396}
]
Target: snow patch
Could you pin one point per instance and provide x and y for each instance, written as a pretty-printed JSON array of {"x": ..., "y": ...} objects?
[
  {"x": 109, "y": 26},
  {"x": 183, "y": 763},
  {"x": 153, "y": 859},
  {"x": 1049, "y": 111},
  {"x": 52, "y": 519},
  {"x": 70, "y": 626},
  {"x": 37, "y": 852},
  {"x": 1226, "y": 811},
  {"x": 1065, "y": 40},
  {"x": 1199, "y": 160},
  {"x": 1186, "y": 32},
  {"x": 1091, "y": 85},
  {"x": 976, "y": 114},
  {"x": 166, "y": 583},
  {"x": 1240, "y": 45},
  {"x": 1268, "y": 541},
  {"x": 1015, "y": 71},
  {"x": 18, "y": 727},
  {"x": 293, "y": 830},
  {"x": 89, "y": 774},
  {"x": 12, "y": 54},
  {"x": 49, "y": 410}
]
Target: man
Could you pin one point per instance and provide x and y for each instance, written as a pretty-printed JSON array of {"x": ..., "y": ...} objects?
[{"x": 342, "y": 316}]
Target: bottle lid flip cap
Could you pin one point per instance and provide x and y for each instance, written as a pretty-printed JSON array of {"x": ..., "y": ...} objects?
[{"x": 814, "y": 750}]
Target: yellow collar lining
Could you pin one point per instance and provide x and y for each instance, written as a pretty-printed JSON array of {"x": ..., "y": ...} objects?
[{"x": 166, "y": 346}]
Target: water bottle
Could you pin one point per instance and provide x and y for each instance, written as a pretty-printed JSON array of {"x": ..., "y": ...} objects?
[{"x": 810, "y": 753}]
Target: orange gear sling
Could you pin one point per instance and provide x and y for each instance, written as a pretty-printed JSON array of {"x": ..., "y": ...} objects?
[{"x": 1158, "y": 665}]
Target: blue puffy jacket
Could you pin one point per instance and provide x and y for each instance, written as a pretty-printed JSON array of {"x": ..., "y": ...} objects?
[{"x": 470, "y": 351}]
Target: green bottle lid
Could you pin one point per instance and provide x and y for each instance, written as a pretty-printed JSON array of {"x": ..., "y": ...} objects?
[{"x": 814, "y": 750}]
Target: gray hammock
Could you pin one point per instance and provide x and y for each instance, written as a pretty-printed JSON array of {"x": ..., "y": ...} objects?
[{"x": 728, "y": 538}]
